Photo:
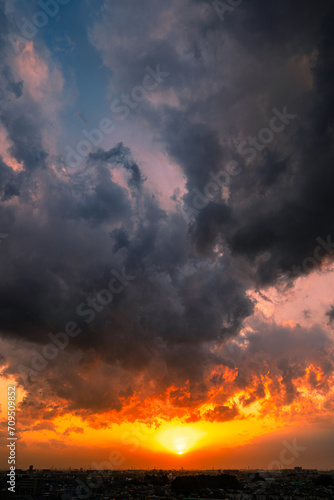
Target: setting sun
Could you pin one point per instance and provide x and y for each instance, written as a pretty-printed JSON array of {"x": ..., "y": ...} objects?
[{"x": 179, "y": 439}]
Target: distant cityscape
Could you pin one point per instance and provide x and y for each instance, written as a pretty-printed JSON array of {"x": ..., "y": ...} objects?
[{"x": 75, "y": 484}]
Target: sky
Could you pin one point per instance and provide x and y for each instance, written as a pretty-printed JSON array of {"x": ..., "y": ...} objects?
[{"x": 167, "y": 234}]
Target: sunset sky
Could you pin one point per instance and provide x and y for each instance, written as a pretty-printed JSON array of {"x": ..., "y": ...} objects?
[{"x": 167, "y": 233}]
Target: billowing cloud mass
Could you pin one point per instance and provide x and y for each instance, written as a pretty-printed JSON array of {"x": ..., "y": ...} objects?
[{"x": 149, "y": 255}]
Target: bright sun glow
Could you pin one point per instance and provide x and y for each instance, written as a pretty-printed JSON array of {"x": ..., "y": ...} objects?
[{"x": 179, "y": 439}]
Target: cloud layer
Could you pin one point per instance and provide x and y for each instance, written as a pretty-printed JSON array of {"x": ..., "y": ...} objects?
[{"x": 164, "y": 340}]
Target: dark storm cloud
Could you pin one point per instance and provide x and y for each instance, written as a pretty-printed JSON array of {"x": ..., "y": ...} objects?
[
  {"x": 9, "y": 182},
  {"x": 209, "y": 223},
  {"x": 23, "y": 130},
  {"x": 14, "y": 87},
  {"x": 22, "y": 122},
  {"x": 64, "y": 252},
  {"x": 194, "y": 146},
  {"x": 120, "y": 155},
  {"x": 283, "y": 199},
  {"x": 299, "y": 209},
  {"x": 330, "y": 314}
]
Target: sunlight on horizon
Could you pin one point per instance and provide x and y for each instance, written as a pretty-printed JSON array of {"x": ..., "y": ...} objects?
[{"x": 179, "y": 439}]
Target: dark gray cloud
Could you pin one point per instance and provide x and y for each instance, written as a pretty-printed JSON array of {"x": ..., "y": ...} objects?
[
  {"x": 282, "y": 201},
  {"x": 120, "y": 155},
  {"x": 330, "y": 314}
]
